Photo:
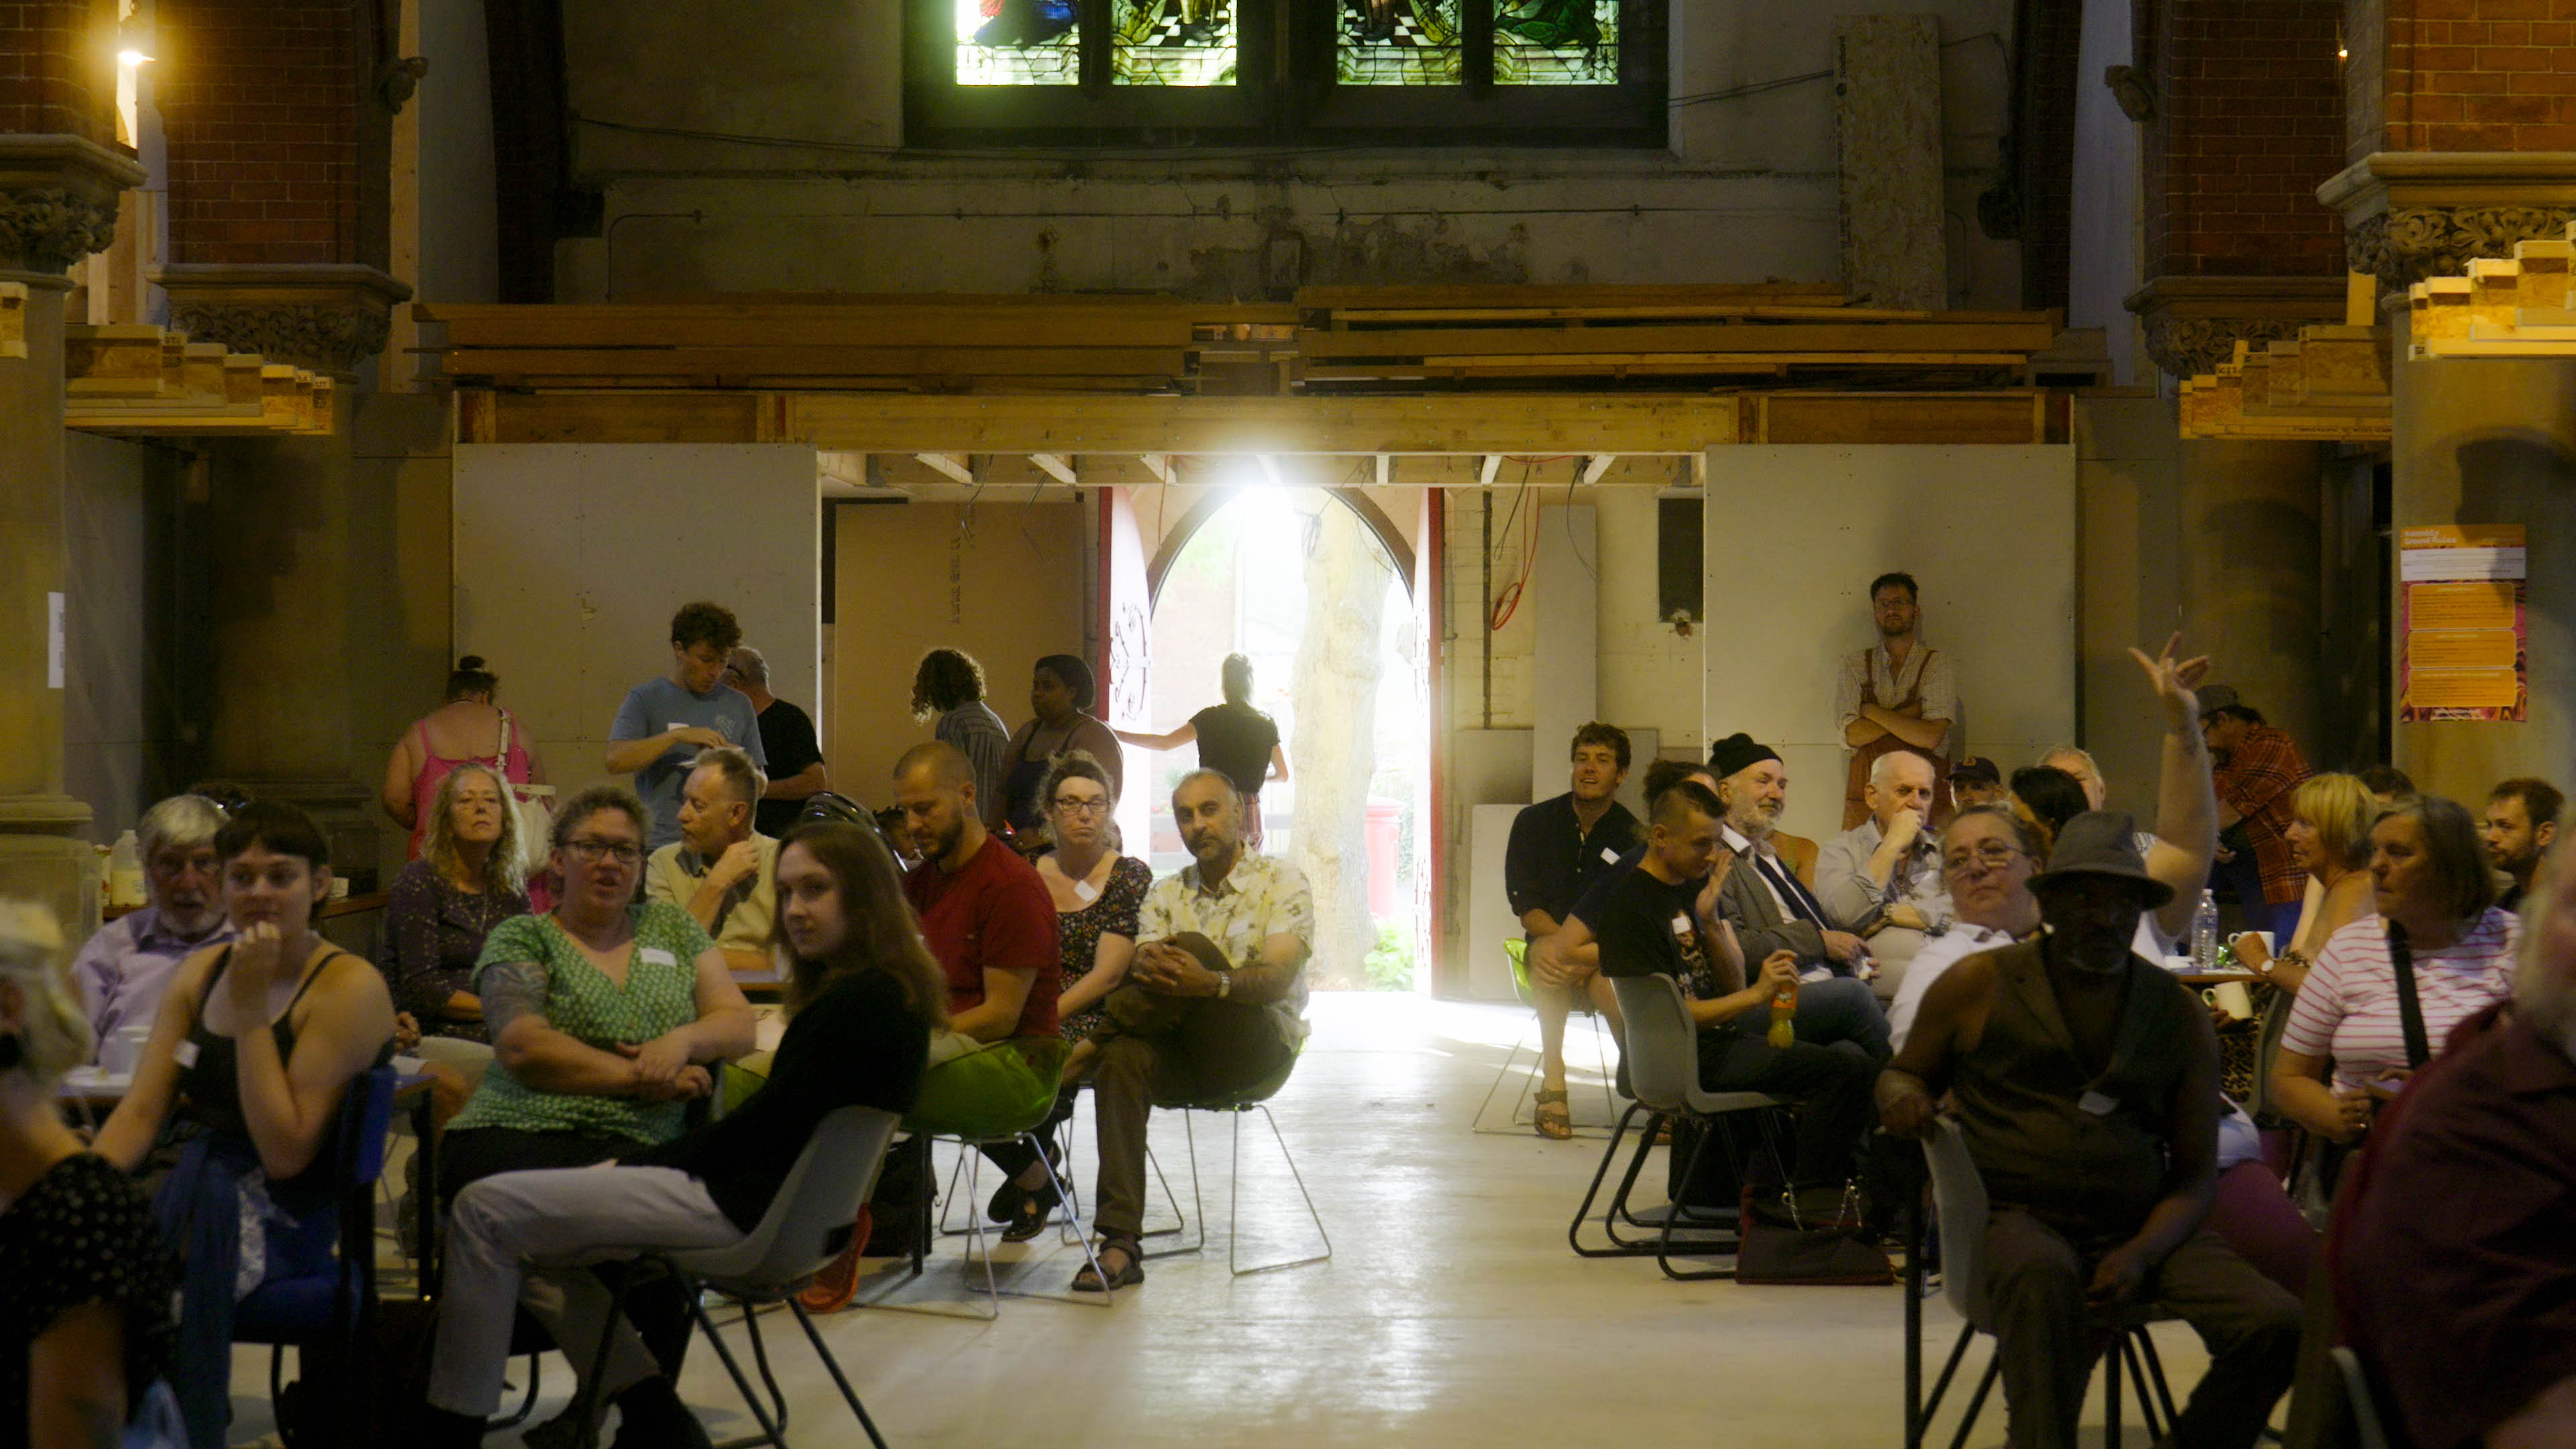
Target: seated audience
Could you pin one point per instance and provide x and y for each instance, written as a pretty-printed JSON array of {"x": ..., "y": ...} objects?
[
  {"x": 1558, "y": 848},
  {"x": 2455, "y": 1250},
  {"x": 948, "y": 694},
  {"x": 2048, "y": 798},
  {"x": 1097, "y": 893},
  {"x": 2436, "y": 927},
  {"x": 663, "y": 723},
  {"x": 122, "y": 971},
  {"x": 469, "y": 728},
  {"x": 1883, "y": 876},
  {"x": 2388, "y": 785},
  {"x": 1569, "y": 958},
  {"x": 1976, "y": 781},
  {"x": 863, "y": 997},
  {"x": 255, "y": 1196},
  {"x": 87, "y": 1328},
  {"x": 721, "y": 871},
  {"x": 794, "y": 772},
  {"x": 1214, "y": 1002},
  {"x": 2080, "y": 763},
  {"x": 1772, "y": 908},
  {"x": 2521, "y": 824},
  {"x": 2329, "y": 839},
  {"x": 437, "y": 914},
  {"x": 1658, "y": 919},
  {"x": 983, "y": 909},
  {"x": 1060, "y": 695},
  {"x": 2086, "y": 1079},
  {"x": 1234, "y": 739}
]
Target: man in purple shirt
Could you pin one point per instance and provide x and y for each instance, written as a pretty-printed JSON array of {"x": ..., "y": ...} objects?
[{"x": 124, "y": 969}]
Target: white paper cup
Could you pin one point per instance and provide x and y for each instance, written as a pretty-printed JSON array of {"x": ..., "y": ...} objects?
[{"x": 120, "y": 1049}]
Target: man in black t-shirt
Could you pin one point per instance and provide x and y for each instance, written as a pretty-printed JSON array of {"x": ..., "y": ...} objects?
[
  {"x": 1559, "y": 847},
  {"x": 1661, "y": 919},
  {"x": 796, "y": 770}
]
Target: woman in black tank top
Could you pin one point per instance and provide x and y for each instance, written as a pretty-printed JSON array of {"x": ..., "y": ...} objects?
[{"x": 256, "y": 1045}]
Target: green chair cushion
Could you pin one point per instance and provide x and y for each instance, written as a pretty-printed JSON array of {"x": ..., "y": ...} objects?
[
  {"x": 1518, "y": 950},
  {"x": 1005, "y": 1089}
]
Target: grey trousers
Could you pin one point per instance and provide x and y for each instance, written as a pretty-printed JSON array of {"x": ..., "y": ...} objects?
[
  {"x": 533, "y": 1233},
  {"x": 2036, "y": 1279}
]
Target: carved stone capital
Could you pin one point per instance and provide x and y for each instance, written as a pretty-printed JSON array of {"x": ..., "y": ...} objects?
[
  {"x": 2192, "y": 324},
  {"x": 330, "y": 318},
  {"x": 58, "y": 199},
  {"x": 2409, "y": 215}
]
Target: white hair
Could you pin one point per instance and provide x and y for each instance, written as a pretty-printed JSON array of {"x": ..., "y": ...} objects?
[
  {"x": 1884, "y": 767},
  {"x": 184, "y": 822},
  {"x": 2059, "y": 751},
  {"x": 55, "y": 1034}
]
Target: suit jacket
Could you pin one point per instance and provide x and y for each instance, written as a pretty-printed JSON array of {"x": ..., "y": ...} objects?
[{"x": 1760, "y": 928}]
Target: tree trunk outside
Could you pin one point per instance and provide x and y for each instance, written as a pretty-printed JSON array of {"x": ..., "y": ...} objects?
[{"x": 1334, "y": 751}]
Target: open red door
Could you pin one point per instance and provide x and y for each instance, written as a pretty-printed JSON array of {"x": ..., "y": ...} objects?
[{"x": 1126, "y": 648}]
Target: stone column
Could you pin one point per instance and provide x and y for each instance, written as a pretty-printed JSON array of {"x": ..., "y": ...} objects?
[
  {"x": 58, "y": 203},
  {"x": 2250, "y": 560}
]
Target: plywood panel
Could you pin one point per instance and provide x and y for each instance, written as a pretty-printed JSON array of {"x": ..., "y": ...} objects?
[
  {"x": 571, "y": 558},
  {"x": 1796, "y": 533}
]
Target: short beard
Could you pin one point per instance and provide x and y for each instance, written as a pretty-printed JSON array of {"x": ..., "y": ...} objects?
[{"x": 1751, "y": 823}]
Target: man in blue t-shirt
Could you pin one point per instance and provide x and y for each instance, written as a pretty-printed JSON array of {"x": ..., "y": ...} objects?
[{"x": 665, "y": 722}]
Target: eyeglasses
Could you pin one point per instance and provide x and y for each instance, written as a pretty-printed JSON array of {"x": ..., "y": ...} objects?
[
  {"x": 1989, "y": 856},
  {"x": 592, "y": 852},
  {"x": 1067, "y": 805}
]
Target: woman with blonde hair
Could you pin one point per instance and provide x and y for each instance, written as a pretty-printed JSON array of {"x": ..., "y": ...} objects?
[
  {"x": 2329, "y": 836},
  {"x": 88, "y": 1326},
  {"x": 441, "y": 906}
]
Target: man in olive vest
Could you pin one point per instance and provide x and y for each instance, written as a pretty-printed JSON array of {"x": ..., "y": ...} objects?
[{"x": 2085, "y": 1081}]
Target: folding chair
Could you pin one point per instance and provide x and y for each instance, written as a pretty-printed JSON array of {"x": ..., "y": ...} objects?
[
  {"x": 1662, "y": 1059},
  {"x": 2368, "y": 1424},
  {"x": 1518, "y": 952},
  {"x": 1254, "y": 1098},
  {"x": 808, "y": 1223},
  {"x": 1960, "y": 1204}
]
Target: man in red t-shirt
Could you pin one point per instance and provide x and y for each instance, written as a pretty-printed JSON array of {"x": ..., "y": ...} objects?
[{"x": 987, "y": 916}]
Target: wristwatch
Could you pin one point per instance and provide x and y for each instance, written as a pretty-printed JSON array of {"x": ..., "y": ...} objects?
[{"x": 1224, "y": 984}]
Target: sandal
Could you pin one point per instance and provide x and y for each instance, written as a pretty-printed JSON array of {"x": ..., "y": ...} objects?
[
  {"x": 1129, "y": 1273},
  {"x": 1550, "y": 1115},
  {"x": 1035, "y": 1208},
  {"x": 1007, "y": 1202}
]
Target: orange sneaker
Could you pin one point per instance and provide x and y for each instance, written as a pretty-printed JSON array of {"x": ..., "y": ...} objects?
[{"x": 832, "y": 1289}]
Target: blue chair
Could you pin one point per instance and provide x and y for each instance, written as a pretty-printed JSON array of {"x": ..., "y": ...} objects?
[{"x": 334, "y": 1309}]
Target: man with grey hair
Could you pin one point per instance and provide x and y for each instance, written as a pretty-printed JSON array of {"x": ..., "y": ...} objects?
[
  {"x": 722, "y": 871},
  {"x": 2458, "y": 1268},
  {"x": 123, "y": 970},
  {"x": 1214, "y": 1003},
  {"x": 2078, "y": 762},
  {"x": 1883, "y": 876},
  {"x": 791, "y": 754}
]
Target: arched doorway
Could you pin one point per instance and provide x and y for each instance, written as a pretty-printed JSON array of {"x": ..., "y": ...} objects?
[{"x": 1314, "y": 586}]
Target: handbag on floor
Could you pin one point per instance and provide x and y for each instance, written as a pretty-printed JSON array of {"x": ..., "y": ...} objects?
[{"x": 1783, "y": 1245}]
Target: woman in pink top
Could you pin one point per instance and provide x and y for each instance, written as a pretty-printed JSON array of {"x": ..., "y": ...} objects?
[
  {"x": 2429, "y": 879},
  {"x": 468, "y": 727}
]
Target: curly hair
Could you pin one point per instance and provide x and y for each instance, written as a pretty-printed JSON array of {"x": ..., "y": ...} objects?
[
  {"x": 502, "y": 872},
  {"x": 705, "y": 623},
  {"x": 945, "y": 679}
]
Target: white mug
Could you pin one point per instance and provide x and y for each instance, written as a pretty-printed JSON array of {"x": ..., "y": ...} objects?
[{"x": 2230, "y": 997}]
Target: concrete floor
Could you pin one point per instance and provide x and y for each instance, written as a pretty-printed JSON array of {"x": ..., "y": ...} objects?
[{"x": 1452, "y": 1311}]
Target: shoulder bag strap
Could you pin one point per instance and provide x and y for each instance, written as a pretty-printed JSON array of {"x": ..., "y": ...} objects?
[
  {"x": 501, "y": 756},
  {"x": 2410, "y": 1011}
]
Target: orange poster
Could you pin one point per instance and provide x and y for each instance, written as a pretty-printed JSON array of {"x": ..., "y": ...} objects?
[{"x": 2461, "y": 642}]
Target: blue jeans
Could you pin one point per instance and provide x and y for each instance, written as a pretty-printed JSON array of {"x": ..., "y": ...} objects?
[{"x": 1841, "y": 1008}]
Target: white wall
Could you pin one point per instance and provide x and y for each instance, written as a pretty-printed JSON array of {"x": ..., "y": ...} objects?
[
  {"x": 571, "y": 558},
  {"x": 1795, "y": 533}
]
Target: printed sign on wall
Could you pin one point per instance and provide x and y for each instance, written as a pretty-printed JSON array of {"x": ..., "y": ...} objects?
[{"x": 2461, "y": 644}]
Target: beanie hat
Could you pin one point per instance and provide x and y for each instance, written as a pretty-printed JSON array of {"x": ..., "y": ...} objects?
[{"x": 1737, "y": 752}]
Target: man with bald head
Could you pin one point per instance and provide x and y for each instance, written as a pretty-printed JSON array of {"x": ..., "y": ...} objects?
[
  {"x": 984, "y": 912},
  {"x": 1214, "y": 1003},
  {"x": 1883, "y": 876}
]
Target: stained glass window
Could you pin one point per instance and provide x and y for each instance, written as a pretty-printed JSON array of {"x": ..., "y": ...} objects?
[
  {"x": 1173, "y": 42},
  {"x": 1018, "y": 43},
  {"x": 1401, "y": 42},
  {"x": 1556, "y": 42}
]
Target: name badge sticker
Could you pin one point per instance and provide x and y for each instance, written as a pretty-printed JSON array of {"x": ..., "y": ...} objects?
[
  {"x": 1085, "y": 891},
  {"x": 656, "y": 956},
  {"x": 185, "y": 1053},
  {"x": 1609, "y": 855},
  {"x": 2097, "y": 1104},
  {"x": 1681, "y": 924}
]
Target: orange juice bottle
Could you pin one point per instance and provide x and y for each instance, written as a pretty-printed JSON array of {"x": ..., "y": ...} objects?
[{"x": 1784, "y": 1012}]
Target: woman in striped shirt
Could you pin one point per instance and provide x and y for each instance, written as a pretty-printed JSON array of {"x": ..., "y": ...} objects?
[{"x": 2429, "y": 881}]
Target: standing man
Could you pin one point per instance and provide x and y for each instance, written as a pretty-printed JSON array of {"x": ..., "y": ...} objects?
[
  {"x": 1558, "y": 848},
  {"x": 1214, "y": 1002},
  {"x": 2258, "y": 767},
  {"x": 786, "y": 738},
  {"x": 123, "y": 970},
  {"x": 1897, "y": 696},
  {"x": 665, "y": 722},
  {"x": 1883, "y": 876},
  {"x": 2085, "y": 1081},
  {"x": 722, "y": 871},
  {"x": 2521, "y": 825}
]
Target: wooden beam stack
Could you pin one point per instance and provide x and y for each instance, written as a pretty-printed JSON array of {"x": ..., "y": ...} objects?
[
  {"x": 144, "y": 381},
  {"x": 2502, "y": 308},
  {"x": 2331, "y": 384}
]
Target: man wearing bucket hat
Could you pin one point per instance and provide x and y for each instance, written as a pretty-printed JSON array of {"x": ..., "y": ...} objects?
[{"x": 2085, "y": 1079}]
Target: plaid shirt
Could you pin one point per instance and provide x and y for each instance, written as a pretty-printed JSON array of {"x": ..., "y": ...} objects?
[{"x": 2256, "y": 781}]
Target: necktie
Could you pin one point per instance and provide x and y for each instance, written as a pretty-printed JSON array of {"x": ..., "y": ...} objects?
[{"x": 1801, "y": 905}]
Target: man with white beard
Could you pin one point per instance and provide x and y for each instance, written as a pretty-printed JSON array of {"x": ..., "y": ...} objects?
[{"x": 1772, "y": 910}]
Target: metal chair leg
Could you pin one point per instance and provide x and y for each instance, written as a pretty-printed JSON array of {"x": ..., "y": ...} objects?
[
  {"x": 2111, "y": 1390},
  {"x": 1519, "y": 1045},
  {"x": 2156, "y": 1371},
  {"x": 833, "y": 1365},
  {"x": 1977, "y": 1402},
  {"x": 770, "y": 1431},
  {"x": 1710, "y": 1131},
  {"x": 1198, "y": 1205},
  {"x": 760, "y": 1358},
  {"x": 1234, "y": 1237}
]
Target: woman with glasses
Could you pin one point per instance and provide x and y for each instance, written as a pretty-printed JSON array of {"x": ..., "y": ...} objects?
[
  {"x": 607, "y": 1016},
  {"x": 1097, "y": 892}
]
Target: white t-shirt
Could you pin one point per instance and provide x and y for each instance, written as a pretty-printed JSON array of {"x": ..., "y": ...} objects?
[{"x": 1938, "y": 955}]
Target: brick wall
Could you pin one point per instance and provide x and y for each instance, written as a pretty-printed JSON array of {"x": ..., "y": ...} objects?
[
  {"x": 2479, "y": 75},
  {"x": 2249, "y": 121},
  {"x": 56, "y": 68},
  {"x": 259, "y": 102}
]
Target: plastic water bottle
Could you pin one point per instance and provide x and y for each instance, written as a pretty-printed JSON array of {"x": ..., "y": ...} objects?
[
  {"x": 125, "y": 872},
  {"x": 1784, "y": 1019},
  {"x": 2204, "y": 932}
]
